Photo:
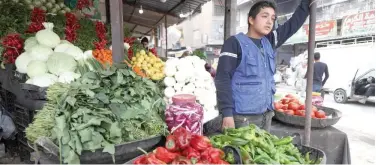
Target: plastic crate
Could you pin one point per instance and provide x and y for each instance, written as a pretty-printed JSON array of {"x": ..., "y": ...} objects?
[
  {"x": 7, "y": 100},
  {"x": 22, "y": 116}
]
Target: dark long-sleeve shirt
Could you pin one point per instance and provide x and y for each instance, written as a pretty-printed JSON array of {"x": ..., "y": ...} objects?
[
  {"x": 319, "y": 68},
  {"x": 231, "y": 56}
]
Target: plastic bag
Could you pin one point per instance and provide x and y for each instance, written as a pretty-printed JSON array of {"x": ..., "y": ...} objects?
[
  {"x": 8, "y": 129},
  {"x": 185, "y": 113}
]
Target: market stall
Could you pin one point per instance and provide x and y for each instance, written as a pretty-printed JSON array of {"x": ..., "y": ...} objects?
[{"x": 75, "y": 97}]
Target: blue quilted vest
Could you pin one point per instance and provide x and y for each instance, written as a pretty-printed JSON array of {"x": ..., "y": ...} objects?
[{"x": 253, "y": 85}]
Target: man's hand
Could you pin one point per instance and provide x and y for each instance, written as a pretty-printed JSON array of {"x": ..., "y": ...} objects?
[{"x": 228, "y": 122}]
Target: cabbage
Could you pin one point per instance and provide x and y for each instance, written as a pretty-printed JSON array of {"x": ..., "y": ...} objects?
[
  {"x": 40, "y": 53},
  {"x": 36, "y": 68},
  {"x": 47, "y": 37},
  {"x": 44, "y": 80},
  {"x": 59, "y": 63},
  {"x": 22, "y": 61},
  {"x": 30, "y": 43},
  {"x": 68, "y": 77}
]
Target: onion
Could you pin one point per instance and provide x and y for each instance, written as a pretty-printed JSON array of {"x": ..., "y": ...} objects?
[
  {"x": 43, "y": 8},
  {"x": 42, "y": 1},
  {"x": 57, "y": 7},
  {"x": 62, "y": 5},
  {"x": 28, "y": 2},
  {"x": 31, "y": 7},
  {"x": 52, "y": 1}
]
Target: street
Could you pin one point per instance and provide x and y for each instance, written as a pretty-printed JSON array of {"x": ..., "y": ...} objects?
[{"x": 357, "y": 122}]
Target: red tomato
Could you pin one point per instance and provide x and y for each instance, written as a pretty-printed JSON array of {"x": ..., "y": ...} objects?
[
  {"x": 284, "y": 107},
  {"x": 277, "y": 105},
  {"x": 280, "y": 110},
  {"x": 293, "y": 106},
  {"x": 289, "y": 112},
  {"x": 313, "y": 115},
  {"x": 320, "y": 114},
  {"x": 300, "y": 113},
  {"x": 302, "y": 107},
  {"x": 295, "y": 101},
  {"x": 314, "y": 108},
  {"x": 285, "y": 101}
]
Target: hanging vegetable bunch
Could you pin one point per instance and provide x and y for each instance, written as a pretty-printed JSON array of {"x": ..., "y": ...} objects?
[
  {"x": 130, "y": 41},
  {"x": 101, "y": 53},
  {"x": 38, "y": 16},
  {"x": 13, "y": 46},
  {"x": 184, "y": 148},
  {"x": 71, "y": 27}
]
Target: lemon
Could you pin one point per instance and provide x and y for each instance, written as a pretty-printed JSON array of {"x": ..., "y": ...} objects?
[
  {"x": 142, "y": 52},
  {"x": 137, "y": 54}
]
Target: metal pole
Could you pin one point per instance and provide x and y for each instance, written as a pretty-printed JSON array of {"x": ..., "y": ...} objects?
[
  {"x": 108, "y": 13},
  {"x": 116, "y": 12},
  {"x": 311, "y": 51},
  {"x": 227, "y": 23},
  {"x": 166, "y": 34}
]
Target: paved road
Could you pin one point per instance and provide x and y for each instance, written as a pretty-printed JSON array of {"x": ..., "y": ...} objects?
[{"x": 358, "y": 122}]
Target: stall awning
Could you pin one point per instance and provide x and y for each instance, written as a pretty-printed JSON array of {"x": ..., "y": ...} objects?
[{"x": 154, "y": 13}]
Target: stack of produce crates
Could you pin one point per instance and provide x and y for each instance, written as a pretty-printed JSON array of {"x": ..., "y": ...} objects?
[{"x": 21, "y": 117}]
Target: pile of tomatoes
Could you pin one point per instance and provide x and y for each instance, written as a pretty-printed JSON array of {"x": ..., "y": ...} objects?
[{"x": 291, "y": 106}]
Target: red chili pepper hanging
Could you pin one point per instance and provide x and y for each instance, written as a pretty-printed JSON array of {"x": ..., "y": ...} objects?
[{"x": 38, "y": 16}]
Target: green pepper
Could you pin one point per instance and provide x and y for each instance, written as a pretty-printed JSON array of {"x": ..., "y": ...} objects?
[
  {"x": 283, "y": 158},
  {"x": 294, "y": 163},
  {"x": 262, "y": 159},
  {"x": 253, "y": 150},
  {"x": 232, "y": 132},
  {"x": 249, "y": 135},
  {"x": 219, "y": 141},
  {"x": 262, "y": 144},
  {"x": 238, "y": 141},
  {"x": 283, "y": 141},
  {"x": 291, "y": 158},
  {"x": 247, "y": 159}
]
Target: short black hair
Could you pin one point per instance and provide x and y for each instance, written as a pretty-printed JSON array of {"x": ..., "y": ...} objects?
[
  {"x": 144, "y": 40},
  {"x": 256, "y": 8},
  {"x": 317, "y": 56}
]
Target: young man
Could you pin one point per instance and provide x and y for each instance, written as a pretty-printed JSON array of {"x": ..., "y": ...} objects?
[
  {"x": 244, "y": 80},
  {"x": 145, "y": 42},
  {"x": 319, "y": 68}
]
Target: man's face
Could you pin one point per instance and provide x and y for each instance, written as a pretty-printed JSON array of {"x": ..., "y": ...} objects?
[
  {"x": 145, "y": 44},
  {"x": 264, "y": 21}
]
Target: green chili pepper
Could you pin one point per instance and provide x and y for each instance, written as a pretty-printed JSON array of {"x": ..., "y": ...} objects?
[
  {"x": 291, "y": 158},
  {"x": 262, "y": 159},
  {"x": 253, "y": 149},
  {"x": 245, "y": 156},
  {"x": 283, "y": 158},
  {"x": 307, "y": 158},
  {"x": 233, "y": 132},
  {"x": 238, "y": 141},
  {"x": 283, "y": 141}
]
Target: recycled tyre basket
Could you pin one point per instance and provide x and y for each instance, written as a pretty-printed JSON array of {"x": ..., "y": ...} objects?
[
  {"x": 123, "y": 152},
  {"x": 34, "y": 92},
  {"x": 315, "y": 123}
]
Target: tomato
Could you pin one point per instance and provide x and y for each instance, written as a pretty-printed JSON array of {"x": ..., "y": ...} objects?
[
  {"x": 314, "y": 108},
  {"x": 320, "y": 114},
  {"x": 302, "y": 107},
  {"x": 293, "y": 106},
  {"x": 285, "y": 101},
  {"x": 284, "y": 106},
  {"x": 277, "y": 105},
  {"x": 289, "y": 112},
  {"x": 294, "y": 101},
  {"x": 300, "y": 113},
  {"x": 280, "y": 110},
  {"x": 313, "y": 115}
]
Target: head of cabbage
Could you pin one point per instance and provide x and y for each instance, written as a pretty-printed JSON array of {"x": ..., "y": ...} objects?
[{"x": 59, "y": 63}]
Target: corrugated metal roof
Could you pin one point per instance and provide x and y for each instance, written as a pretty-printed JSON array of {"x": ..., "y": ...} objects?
[{"x": 155, "y": 12}]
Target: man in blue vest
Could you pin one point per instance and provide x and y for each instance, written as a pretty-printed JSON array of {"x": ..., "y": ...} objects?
[{"x": 244, "y": 81}]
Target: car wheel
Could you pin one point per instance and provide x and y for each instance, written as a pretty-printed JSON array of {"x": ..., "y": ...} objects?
[{"x": 340, "y": 96}]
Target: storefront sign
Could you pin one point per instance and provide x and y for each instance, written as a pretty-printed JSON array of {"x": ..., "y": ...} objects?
[
  {"x": 324, "y": 30},
  {"x": 359, "y": 24}
]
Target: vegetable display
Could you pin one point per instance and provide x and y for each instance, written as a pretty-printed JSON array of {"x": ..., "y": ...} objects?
[
  {"x": 152, "y": 65},
  {"x": 184, "y": 148},
  {"x": 188, "y": 76},
  {"x": 51, "y": 6},
  {"x": 101, "y": 109},
  {"x": 260, "y": 147},
  {"x": 291, "y": 106}
]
